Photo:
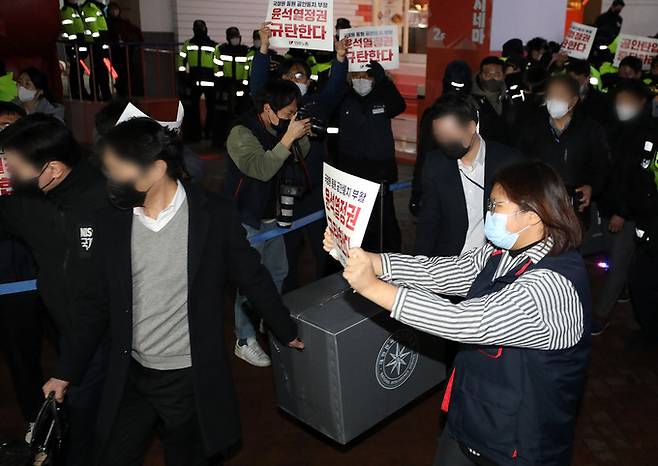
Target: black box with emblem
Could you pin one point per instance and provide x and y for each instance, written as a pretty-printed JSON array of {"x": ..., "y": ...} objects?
[{"x": 359, "y": 367}]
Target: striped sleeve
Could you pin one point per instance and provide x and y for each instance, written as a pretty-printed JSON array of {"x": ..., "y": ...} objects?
[
  {"x": 540, "y": 310},
  {"x": 451, "y": 275}
]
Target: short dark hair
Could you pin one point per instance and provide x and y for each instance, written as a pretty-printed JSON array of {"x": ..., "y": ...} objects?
[
  {"x": 9, "y": 108},
  {"x": 567, "y": 81},
  {"x": 343, "y": 23},
  {"x": 513, "y": 47},
  {"x": 40, "y": 139},
  {"x": 457, "y": 105},
  {"x": 278, "y": 93},
  {"x": 536, "y": 43},
  {"x": 618, "y": 3},
  {"x": 107, "y": 117},
  {"x": 632, "y": 62},
  {"x": 286, "y": 65},
  {"x": 492, "y": 60},
  {"x": 536, "y": 187},
  {"x": 634, "y": 87},
  {"x": 536, "y": 78},
  {"x": 143, "y": 141},
  {"x": 579, "y": 67},
  {"x": 40, "y": 81}
]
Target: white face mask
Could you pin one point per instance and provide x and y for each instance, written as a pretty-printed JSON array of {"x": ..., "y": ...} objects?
[
  {"x": 235, "y": 41},
  {"x": 626, "y": 112},
  {"x": 26, "y": 95},
  {"x": 303, "y": 88},
  {"x": 557, "y": 108},
  {"x": 362, "y": 86}
]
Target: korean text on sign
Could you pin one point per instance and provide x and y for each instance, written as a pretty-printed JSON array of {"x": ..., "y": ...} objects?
[
  {"x": 306, "y": 24},
  {"x": 348, "y": 203},
  {"x": 5, "y": 183},
  {"x": 644, "y": 48},
  {"x": 578, "y": 41},
  {"x": 375, "y": 43}
]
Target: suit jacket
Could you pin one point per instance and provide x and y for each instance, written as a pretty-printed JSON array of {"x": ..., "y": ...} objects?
[
  {"x": 443, "y": 219},
  {"x": 217, "y": 251}
]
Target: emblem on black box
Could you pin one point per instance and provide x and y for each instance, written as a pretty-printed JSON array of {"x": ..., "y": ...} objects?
[{"x": 397, "y": 359}]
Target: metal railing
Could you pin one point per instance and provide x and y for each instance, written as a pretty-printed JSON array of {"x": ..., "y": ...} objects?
[
  {"x": 31, "y": 285},
  {"x": 128, "y": 69}
]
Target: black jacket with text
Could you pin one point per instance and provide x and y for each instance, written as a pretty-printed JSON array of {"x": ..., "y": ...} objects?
[{"x": 59, "y": 229}]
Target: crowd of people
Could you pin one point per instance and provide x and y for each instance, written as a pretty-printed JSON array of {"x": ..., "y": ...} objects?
[{"x": 523, "y": 167}]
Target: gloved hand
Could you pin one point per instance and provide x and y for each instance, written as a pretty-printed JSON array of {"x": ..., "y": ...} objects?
[
  {"x": 376, "y": 71},
  {"x": 414, "y": 203}
]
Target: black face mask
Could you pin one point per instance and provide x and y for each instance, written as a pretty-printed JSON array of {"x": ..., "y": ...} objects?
[
  {"x": 455, "y": 149},
  {"x": 29, "y": 187},
  {"x": 491, "y": 85},
  {"x": 124, "y": 195},
  {"x": 282, "y": 126}
]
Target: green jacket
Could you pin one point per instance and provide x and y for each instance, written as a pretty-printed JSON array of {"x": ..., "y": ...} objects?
[
  {"x": 95, "y": 23},
  {"x": 8, "y": 90},
  {"x": 73, "y": 26},
  {"x": 196, "y": 56},
  {"x": 252, "y": 159}
]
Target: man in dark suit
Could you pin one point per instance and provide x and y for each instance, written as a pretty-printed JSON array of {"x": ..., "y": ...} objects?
[
  {"x": 162, "y": 260},
  {"x": 457, "y": 180}
]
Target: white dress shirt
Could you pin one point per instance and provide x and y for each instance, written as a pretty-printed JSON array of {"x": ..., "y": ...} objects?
[
  {"x": 164, "y": 217},
  {"x": 474, "y": 195}
]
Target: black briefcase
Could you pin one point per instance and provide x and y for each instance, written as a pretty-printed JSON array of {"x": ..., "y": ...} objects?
[{"x": 45, "y": 446}]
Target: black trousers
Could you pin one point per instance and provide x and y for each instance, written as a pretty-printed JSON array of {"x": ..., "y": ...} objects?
[
  {"x": 100, "y": 78},
  {"x": 162, "y": 400},
  {"x": 20, "y": 339},
  {"x": 390, "y": 229},
  {"x": 644, "y": 293},
  {"x": 195, "y": 106},
  {"x": 76, "y": 73}
]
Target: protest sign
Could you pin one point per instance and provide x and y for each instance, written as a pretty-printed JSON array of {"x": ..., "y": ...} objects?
[
  {"x": 133, "y": 112},
  {"x": 5, "y": 183},
  {"x": 301, "y": 24},
  {"x": 372, "y": 43},
  {"x": 348, "y": 202},
  {"x": 578, "y": 41},
  {"x": 644, "y": 48}
]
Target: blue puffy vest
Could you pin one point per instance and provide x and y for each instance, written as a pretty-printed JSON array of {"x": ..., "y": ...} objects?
[{"x": 517, "y": 406}]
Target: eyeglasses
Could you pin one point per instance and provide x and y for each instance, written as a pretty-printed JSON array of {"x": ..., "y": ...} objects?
[{"x": 491, "y": 206}]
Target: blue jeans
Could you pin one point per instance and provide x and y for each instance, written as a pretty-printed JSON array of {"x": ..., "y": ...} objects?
[{"x": 273, "y": 256}]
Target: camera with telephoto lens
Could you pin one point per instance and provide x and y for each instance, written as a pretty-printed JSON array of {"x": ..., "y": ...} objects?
[
  {"x": 318, "y": 127},
  {"x": 287, "y": 194}
]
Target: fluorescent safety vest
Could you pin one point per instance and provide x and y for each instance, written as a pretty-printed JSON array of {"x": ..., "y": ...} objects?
[{"x": 73, "y": 27}]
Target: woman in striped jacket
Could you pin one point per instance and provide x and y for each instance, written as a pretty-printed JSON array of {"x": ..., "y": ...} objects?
[{"x": 513, "y": 393}]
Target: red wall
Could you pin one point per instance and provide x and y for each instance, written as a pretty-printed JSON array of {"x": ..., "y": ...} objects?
[{"x": 28, "y": 32}]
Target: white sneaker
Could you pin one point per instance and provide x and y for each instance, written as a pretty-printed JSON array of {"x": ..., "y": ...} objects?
[{"x": 252, "y": 353}]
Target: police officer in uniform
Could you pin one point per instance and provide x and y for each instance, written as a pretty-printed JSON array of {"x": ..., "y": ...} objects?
[
  {"x": 195, "y": 66},
  {"x": 73, "y": 32},
  {"x": 232, "y": 69},
  {"x": 97, "y": 36}
]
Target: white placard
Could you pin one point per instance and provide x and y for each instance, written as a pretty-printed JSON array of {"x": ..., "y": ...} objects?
[
  {"x": 301, "y": 24},
  {"x": 348, "y": 203},
  {"x": 578, "y": 41},
  {"x": 372, "y": 43},
  {"x": 133, "y": 112},
  {"x": 644, "y": 48},
  {"x": 5, "y": 178}
]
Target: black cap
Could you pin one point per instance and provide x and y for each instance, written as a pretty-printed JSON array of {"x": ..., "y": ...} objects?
[{"x": 232, "y": 32}]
